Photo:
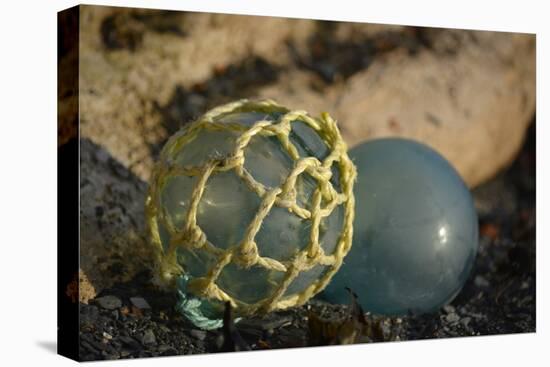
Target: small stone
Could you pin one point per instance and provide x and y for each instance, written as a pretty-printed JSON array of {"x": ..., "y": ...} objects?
[
  {"x": 130, "y": 342},
  {"x": 149, "y": 337},
  {"x": 88, "y": 314},
  {"x": 480, "y": 281},
  {"x": 198, "y": 334},
  {"x": 88, "y": 346},
  {"x": 140, "y": 303},
  {"x": 386, "y": 330},
  {"x": 452, "y": 318},
  {"x": 477, "y": 315},
  {"x": 116, "y": 344},
  {"x": 165, "y": 328},
  {"x": 109, "y": 355},
  {"x": 107, "y": 336},
  {"x": 449, "y": 309},
  {"x": 109, "y": 302},
  {"x": 136, "y": 312},
  {"x": 97, "y": 345},
  {"x": 167, "y": 350},
  {"x": 219, "y": 341},
  {"x": 465, "y": 321},
  {"x": 199, "y": 344},
  {"x": 163, "y": 348},
  {"x": 268, "y": 325}
]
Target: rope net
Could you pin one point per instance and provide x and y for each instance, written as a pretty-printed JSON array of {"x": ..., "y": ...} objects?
[{"x": 245, "y": 253}]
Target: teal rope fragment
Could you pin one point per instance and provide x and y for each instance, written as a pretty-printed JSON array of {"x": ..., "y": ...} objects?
[{"x": 199, "y": 311}]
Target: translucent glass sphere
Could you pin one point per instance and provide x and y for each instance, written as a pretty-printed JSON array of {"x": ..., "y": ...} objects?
[
  {"x": 415, "y": 230},
  {"x": 228, "y": 206}
]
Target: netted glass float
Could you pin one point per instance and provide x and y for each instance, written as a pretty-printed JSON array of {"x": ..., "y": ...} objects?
[
  {"x": 251, "y": 204},
  {"x": 415, "y": 230}
]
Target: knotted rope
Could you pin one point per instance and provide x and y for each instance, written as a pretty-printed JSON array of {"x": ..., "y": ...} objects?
[{"x": 245, "y": 254}]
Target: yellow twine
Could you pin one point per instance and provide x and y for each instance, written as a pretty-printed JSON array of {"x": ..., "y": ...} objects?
[{"x": 246, "y": 254}]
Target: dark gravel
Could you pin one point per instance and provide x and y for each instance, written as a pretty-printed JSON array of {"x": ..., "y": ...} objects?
[{"x": 134, "y": 319}]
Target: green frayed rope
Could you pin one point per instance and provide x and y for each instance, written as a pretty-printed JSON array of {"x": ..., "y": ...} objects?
[
  {"x": 194, "y": 308},
  {"x": 199, "y": 311}
]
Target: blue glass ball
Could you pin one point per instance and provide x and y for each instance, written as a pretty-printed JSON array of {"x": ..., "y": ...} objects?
[{"x": 415, "y": 230}]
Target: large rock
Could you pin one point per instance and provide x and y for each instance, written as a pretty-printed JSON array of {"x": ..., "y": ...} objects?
[
  {"x": 113, "y": 245},
  {"x": 471, "y": 97},
  {"x": 131, "y": 60},
  {"x": 473, "y": 106}
]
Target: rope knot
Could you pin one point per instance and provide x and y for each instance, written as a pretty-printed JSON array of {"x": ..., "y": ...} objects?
[
  {"x": 233, "y": 161},
  {"x": 195, "y": 237},
  {"x": 325, "y": 173},
  {"x": 246, "y": 255}
]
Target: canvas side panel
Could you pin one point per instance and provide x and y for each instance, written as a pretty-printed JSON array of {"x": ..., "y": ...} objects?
[{"x": 68, "y": 23}]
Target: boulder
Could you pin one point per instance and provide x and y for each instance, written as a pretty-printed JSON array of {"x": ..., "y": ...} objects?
[
  {"x": 113, "y": 244},
  {"x": 471, "y": 96}
]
